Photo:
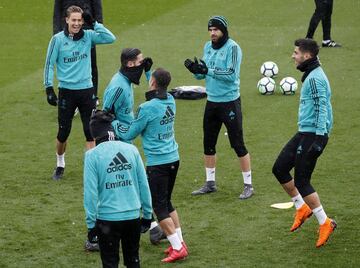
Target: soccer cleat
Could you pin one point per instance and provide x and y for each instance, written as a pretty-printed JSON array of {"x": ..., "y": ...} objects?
[
  {"x": 58, "y": 173},
  {"x": 91, "y": 246},
  {"x": 176, "y": 255},
  {"x": 170, "y": 249},
  {"x": 156, "y": 235},
  {"x": 248, "y": 192},
  {"x": 325, "y": 230},
  {"x": 301, "y": 215},
  {"x": 331, "y": 43},
  {"x": 208, "y": 187}
]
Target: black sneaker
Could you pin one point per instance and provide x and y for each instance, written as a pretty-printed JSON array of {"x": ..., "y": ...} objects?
[
  {"x": 208, "y": 187},
  {"x": 331, "y": 43},
  {"x": 156, "y": 235},
  {"x": 58, "y": 173}
]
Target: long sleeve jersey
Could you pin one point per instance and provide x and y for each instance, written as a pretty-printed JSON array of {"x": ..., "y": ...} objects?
[
  {"x": 72, "y": 58},
  {"x": 155, "y": 122},
  {"x": 119, "y": 100},
  {"x": 315, "y": 110},
  {"x": 94, "y": 7},
  {"x": 115, "y": 184},
  {"x": 223, "y": 77}
]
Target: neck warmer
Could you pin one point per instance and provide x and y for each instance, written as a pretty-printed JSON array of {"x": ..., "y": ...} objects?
[
  {"x": 307, "y": 66},
  {"x": 156, "y": 93},
  {"x": 133, "y": 73}
]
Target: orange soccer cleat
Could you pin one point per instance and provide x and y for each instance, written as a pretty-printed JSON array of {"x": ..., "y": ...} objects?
[
  {"x": 176, "y": 255},
  {"x": 170, "y": 248},
  {"x": 325, "y": 230},
  {"x": 302, "y": 214}
]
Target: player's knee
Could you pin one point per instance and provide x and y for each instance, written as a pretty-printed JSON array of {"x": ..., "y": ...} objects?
[
  {"x": 161, "y": 213},
  {"x": 240, "y": 150},
  {"x": 64, "y": 132},
  {"x": 304, "y": 188},
  {"x": 281, "y": 175}
]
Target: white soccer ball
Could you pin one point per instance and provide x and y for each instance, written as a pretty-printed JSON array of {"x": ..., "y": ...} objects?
[
  {"x": 266, "y": 86},
  {"x": 288, "y": 86},
  {"x": 269, "y": 69}
]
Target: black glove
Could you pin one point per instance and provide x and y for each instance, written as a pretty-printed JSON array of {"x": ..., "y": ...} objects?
[
  {"x": 189, "y": 64},
  {"x": 92, "y": 235},
  {"x": 145, "y": 225},
  {"x": 51, "y": 96},
  {"x": 88, "y": 18},
  {"x": 317, "y": 147},
  {"x": 147, "y": 62},
  {"x": 201, "y": 67}
]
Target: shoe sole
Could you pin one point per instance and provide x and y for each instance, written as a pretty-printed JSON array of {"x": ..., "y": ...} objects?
[
  {"x": 334, "y": 225},
  {"x": 301, "y": 223}
]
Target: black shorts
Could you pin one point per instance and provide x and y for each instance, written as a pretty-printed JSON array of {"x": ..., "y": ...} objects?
[
  {"x": 69, "y": 100},
  {"x": 161, "y": 181},
  {"x": 111, "y": 233},
  {"x": 217, "y": 113},
  {"x": 295, "y": 155}
]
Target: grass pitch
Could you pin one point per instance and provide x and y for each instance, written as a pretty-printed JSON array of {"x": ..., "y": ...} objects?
[{"x": 42, "y": 221}]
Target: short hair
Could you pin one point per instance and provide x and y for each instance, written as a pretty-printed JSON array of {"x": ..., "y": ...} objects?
[
  {"x": 73, "y": 9},
  {"x": 307, "y": 45},
  {"x": 162, "y": 78},
  {"x": 129, "y": 54}
]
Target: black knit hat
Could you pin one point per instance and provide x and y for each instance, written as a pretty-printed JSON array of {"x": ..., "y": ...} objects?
[
  {"x": 129, "y": 54},
  {"x": 100, "y": 126},
  {"x": 219, "y": 22}
]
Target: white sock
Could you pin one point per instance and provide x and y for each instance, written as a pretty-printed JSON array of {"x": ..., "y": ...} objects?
[
  {"x": 174, "y": 241},
  {"x": 320, "y": 214},
  {"x": 247, "y": 177},
  {"x": 298, "y": 201},
  {"x": 326, "y": 41},
  {"x": 179, "y": 233},
  {"x": 210, "y": 174},
  {"x": 60, "y": 160},
  {"x": 153, "y": 225}
]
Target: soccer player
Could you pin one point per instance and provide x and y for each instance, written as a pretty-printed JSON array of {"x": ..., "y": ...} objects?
[
  {"x": 116, "y": 194},
  {"x": 92, "y": 7},
  {"x": 220, "y": 67},
  {"x": 70, "y": 51},
  {"x": 323, "y": 12},
  {"x": 315, "y": 121},
  {"x": 119, "y": 100},
  {"x": 155, "y": 122}
]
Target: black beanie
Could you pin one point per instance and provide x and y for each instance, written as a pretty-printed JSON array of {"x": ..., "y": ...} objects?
[
  {"x": 219, "y": 22},
  {"x": 100, "y": 126},
  {"x": 129, "y": 54}
]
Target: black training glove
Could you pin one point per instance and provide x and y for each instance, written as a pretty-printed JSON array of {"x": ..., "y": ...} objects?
[
  {"x": 317, "y": 147},
  {"x": 147, "y": 62},
  {"x": 51, "y": 96},
  {"x": 88, "y": 18},
  {"x": 92, "y": 235},
  {"x": 189, "y": 64},
  {"x": 201, "y": 67},
  {"x": 145, "y": 225}
]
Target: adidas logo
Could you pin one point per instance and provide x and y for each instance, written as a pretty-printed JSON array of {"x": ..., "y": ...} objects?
[
  {"x": 118, "y": 163},
  {"x": 168, "y": 117}
]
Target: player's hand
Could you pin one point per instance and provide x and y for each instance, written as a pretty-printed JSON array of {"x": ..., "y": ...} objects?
[
  {"x": 318, "y": 146},
  {"x": 51, "y": 96},
  {"x": 92, "y": 235},
  {"x": 145, "y": 225},
  {"x": 88, "y": 18},
  {"x": 189, "y": 64},
  {"x": 202, "y": 68},
  {"x": 147, "y": 62}
]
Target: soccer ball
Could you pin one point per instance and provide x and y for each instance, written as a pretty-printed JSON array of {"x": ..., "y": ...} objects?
[
  {"x": 266, "y": 86},
  {"x": 269, "y": 69},
  {"x": 288, "y": 86}
]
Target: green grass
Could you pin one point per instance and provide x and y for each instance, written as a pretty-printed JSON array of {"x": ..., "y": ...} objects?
[{"x": 42, "y": 221}]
